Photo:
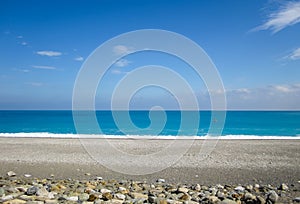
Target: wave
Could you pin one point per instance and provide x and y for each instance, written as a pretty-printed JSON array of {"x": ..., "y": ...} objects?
[{"x": 165, "y": 137}]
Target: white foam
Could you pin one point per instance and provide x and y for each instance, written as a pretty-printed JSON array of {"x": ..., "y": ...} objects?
[{"x": 162, "y": 137}]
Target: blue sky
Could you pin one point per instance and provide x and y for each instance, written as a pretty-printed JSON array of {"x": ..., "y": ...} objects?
[{"x": 254, "y": 44}]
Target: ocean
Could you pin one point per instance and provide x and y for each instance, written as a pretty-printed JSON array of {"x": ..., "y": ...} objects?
[{"x": 238, "y": 124}]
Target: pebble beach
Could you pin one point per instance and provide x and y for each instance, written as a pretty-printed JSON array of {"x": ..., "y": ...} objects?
[{"x": 35, "y": 170}]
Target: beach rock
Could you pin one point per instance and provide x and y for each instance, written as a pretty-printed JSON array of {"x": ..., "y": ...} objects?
[
  {"x": 27, "y": 175},
  {"x": 2, "y": 192},
  {"x": 72, "y": 198},
  {"x": 297, "y": 199},
  {"x": 183, "y": 190},
  {"x": 15, "y": 201},
  {"x": 260, "y": 200},
  {"x": 42, "y": 192},
  {"x": 107, "y": 196},
  {"x": 213, "y": 199},
  {"x": 99, "y": 178},
  {"x": 272, "y": 197},
  {"x": 283, "y": 187},
  {"x": 7, "y": 197},
  {"x": 83, "y": 197},
  {"x": 228, "y": 201},
  {"x": 239, "y": 189},
  {"x": 104, "y": 190},
  {"x": 32, "y": 190},
  {"x": 197, "y": 187},
  {"x": 161, "y": 180},
  {"x": 11, "y": 174},
  {"x": 139, "y": 196},
  {"x": 119, "y": 196}
]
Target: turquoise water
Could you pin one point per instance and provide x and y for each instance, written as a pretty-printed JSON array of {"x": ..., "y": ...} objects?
[{"x": 240, "y": 123}]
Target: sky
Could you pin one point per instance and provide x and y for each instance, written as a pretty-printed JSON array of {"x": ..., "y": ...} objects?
[{"x": 254, "y": 45}]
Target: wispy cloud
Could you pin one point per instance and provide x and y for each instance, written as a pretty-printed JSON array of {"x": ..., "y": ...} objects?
[
  {"x": 43, "y": 67},
  {"x": 287, "y": 15},
  {"x": 295, "y": 55},
  {"x": 118, "y": 71},
  {"x": 34, "y": 83},
  {"x": 20, "y": 36},
  {"x": 24, "y": 43},
  {"x": 79, "y": 58},
  {"x": 122, "y": 49},
  {"x": 122, "y": 63},
  {"x": 49, "y": 53}
]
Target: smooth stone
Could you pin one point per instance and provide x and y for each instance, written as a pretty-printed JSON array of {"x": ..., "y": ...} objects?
[
  {"x": 120, "y": 196},
  {"x": 15, "y": 201},
  {"x": 249, "y": 196},
  {"x": 139, "y": 196},
  {"x": 34, "y": 202},
  {"x": 297, "y": 199},
  {"x": 228, "y": 201},
  {"x": 99, "y": 178},
  {"x": 197, "y": 187},
  {"x": 11, "y": 174},
  {"x": 83, "y": 197},
  {"x": 32, "y": 190},
  {"x": 27, "y": 175},
  {"x": 283, "y": 187},
  {"x": 239, "y": 189},
  {"x": 8, "y": 197},
  {"x": 161, "y": 180},
  {"x": 72, "y": 198},
  {"x": 213, "y": 199},
  {"x": 220, "y": 195},
  {"x": 42, "y": 192},
  {"x": 104, "y": 190},
  {"x": 107, "y": 196},
  {"x": 26, "y": 197},
  {"x": 2, "y": 192},
  {"x": 21, "y": 189},
  {"x": 185, "y": 197},
  {"x": 152, "y": 199},
  {"x": 260, "y": 200},
  {"x": 183, "y": 190},
  {"x": 51, "y": 201},
  {"x": 272, "y": 196}
]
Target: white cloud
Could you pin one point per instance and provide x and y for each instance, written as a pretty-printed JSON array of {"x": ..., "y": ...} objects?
[
  {"x": 122, "y": 63},
  {"x": 49, "y": 53},
  {"x": 286, "y": 15},
  {"x": 79, "y": 58},
  {"x": 24, "y": 43},
  {"x": 295, "y": 55},
  {"x": 117, "y": 71},
  {"x": 43, "y": 67},
  {"x": 34, "y": 83},
  {"x": 122, "y": 49},
  {"x": 20, "y": 36}
]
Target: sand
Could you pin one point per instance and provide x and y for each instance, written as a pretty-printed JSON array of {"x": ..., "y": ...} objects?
[{"x": 231, "y": 161}]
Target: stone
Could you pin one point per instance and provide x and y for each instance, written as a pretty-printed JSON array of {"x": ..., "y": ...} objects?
[
  {"x": 15, "y": 201},
  {"x": 27, "y": 175},
  {"x": 213, "y": 199},
  {"x": 228, "y": 201},
  {"x": 8, "y": 197},
  {"x": 297, "y": 199},
  {"x": 283, "y": 187},
  {"x": 185, "y": 197},
  {"x": 161, "y": 180},
  {"x": 107, "y": 196},
  {"x": 51, "y": 201},
  {"x": 104, "y": 190},
  {"x": 220, "y": 195},
  {"x": 35, "y": 202},
  {"x": 239, "y": 189},
  {"x": 152, "y": 199},
  {"x": 32, "y": 190},
  {"x": 83, "y": 197},
  {"x": 183, "y": 190},
  {"x": 92, "y": 197},
  {"x": 99, "y": 178},
  {"x": 11, "y": 174},
  {"x": 42, "y": 192},
  {"x": 120, "y": 196},
  {"x": 249, "y": 196},
  {"x": 197, "y": 187},
  {"x": 260, "y": 200},
  {"x": 272, "y": 197},
  {"x": 26, "y": 197},
  {"x": 2, "y": 192},
  {"x": 72, "y": 198},
  {"x": 139, "y": 196}
]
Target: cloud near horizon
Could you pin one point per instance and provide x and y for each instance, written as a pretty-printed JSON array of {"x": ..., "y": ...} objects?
[
  {"x": 49, "y": 53},
  {"x": 122, "y": 49},
  {"x": 43, "y": 67},
  {"x": 286, "y": 15},
  {"x": 79, "y": 58}
]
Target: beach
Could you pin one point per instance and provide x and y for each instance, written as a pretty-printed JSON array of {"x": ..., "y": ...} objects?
[
  {"x": 231, "y": 161},
  {"x": 47, "y": 170}
]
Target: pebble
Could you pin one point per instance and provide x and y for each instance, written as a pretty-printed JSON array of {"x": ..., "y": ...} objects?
[
  {"x": 161, "y": 180},
  {"x": 272, "y": 197},
  {"x": 31, "y": 190},
  {"x": 27, "y": 175},
  {"x": 97, "y": 191},
  {"x": 15, "y": 201},
  {"x": 297, "y": 199},
  {"x": 11, "y": 174}
]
